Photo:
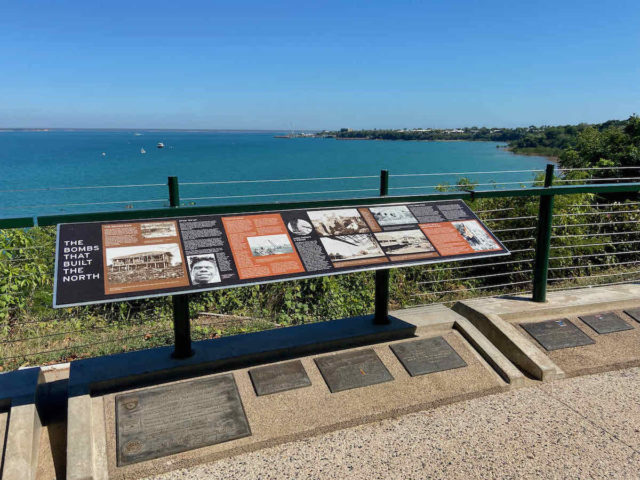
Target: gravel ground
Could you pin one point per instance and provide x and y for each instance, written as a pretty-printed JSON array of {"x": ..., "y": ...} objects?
[{"x": 584, "y": 427}]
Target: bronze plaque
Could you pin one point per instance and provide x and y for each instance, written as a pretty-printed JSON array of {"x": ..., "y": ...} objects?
[
  {"x": 161, "y": 421},
  {"x": 606, "y": 323},
  {"x": 279, "y": 378},
  {"x": 429, "y": 355},
  {"x": 634, "y": 313},
  {"x": 355, "y": 369},
  {"x": 557, "y": 334}
]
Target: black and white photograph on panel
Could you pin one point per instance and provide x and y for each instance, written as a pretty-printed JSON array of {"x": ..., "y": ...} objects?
[
  {"x": 476, "y": 236},
  {"x": 393, "y": 215},
  {"x": 345, "y": 221},
  {"x": 403, "y": 242},
  {"x": 351, "y": 247},
  {"x": 203, "y": 269},
  {"x": 158, "y": 229},
  {"x": 270, "y": 245},
  {"x": 143, "y": 262},
  {"x": 299, "y": 226}
]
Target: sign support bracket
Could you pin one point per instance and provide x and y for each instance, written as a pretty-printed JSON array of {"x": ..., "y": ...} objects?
[
  {"x": 181, "y": 318},
  {"x": 381, "y": 315}
]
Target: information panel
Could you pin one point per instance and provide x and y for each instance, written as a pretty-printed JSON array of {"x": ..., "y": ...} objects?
[{"x": 109, "y": 261}]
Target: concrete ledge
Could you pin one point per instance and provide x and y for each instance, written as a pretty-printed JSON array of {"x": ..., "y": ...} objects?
[
  {"x": 438, "y": 319},
  {"x": 518, "y": 349},
  {"x": 498, "y": 319},
  {"x": 18, "y": 391},
  {"x": 561, "y": 303},
  {"x": 86, "y": 439},
  {"x": 4, "y": 422},
  {"x": 80, "y": 439},
  {"x": 428, "y": 319},
  {"x": 490, "y": 353}
]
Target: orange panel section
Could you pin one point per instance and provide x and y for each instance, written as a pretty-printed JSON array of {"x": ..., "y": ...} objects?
[
  {"x": 446, "y": 239},
  {"x": 261, "y": 246}
]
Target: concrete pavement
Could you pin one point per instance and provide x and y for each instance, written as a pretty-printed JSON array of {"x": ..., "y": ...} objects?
[{"x": 583, "y": 427}]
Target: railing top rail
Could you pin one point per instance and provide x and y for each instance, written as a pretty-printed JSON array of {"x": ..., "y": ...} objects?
[
  {"x": 45, "y": 220},
  {"x": 20, "y": 222}
]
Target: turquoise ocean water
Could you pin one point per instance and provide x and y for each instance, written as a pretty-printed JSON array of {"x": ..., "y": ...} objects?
[{"x": 47, "y": 172}]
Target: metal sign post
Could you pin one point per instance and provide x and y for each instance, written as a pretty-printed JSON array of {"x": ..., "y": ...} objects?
[
  {"x": 381, "y": 315},
  {"x": 181, "y": 319}
]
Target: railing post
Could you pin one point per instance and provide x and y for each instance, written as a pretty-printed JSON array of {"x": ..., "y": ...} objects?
[
  {"x": 543, "y": 241},
  {"x": 174, "y": 192},
  {"x": 381, "y": 316},
  {"x": 181, "y": 320}
]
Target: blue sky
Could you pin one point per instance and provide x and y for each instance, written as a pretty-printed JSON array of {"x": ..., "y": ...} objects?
[{"x": 315, "y": 65}]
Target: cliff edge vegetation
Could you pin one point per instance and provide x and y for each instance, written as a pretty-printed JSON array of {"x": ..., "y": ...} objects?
[{"x": 573, "y": 145}]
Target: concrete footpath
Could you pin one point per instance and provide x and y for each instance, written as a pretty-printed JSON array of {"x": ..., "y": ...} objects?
[{"x": 583, "y": 427}]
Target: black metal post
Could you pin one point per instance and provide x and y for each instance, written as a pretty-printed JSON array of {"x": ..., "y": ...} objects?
[
  {"x": 543, "y": 241},
  {"x": 181, "y": 327},
  {"x": 181, "y": 320},
  {"x": 381, "y": 316},
  {"x": 174, "y": 192}
]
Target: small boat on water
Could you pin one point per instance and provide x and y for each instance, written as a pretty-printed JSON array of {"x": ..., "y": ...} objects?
[
  {"x": 160, "y": 145},
  {"x": 142, "y": 150}
]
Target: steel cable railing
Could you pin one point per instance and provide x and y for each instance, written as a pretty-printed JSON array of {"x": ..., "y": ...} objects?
[
  {"x": 135, "y": 201},
  {"x": 598, "y": 229},
  {"x": 291, "y": 194},
  {"x": 81, "y": 187},
  {"x": 604, "y": 250},
  {"x": 281, "y": 180}
]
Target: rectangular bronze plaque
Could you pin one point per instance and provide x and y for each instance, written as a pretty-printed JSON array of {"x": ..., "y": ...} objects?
[
  {"x": 279, "y": 378},
  {"x": 161, "y": 421},
  {"x": 429, "y": 355},
  {"x": 356, "y": 369},
  {"x": 606, "y": 322},
  {"x": 634, "y": 313},
  {"x": 557, "y": 334}
]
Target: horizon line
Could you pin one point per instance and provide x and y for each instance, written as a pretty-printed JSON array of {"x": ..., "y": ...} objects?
[{"x": 127, "y": 129}]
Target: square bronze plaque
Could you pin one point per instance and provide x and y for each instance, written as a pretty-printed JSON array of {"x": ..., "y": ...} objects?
[
  {"x": 634, "y": 313},
  {"x": 557, "y": 334},
  {"x": 606, "y": 322},
  {"x": 160, "y": 421},
  {"x": 429, "y": 355},
  {"x": 359, "y": 368},
  {"x": 279, "y": 378}
]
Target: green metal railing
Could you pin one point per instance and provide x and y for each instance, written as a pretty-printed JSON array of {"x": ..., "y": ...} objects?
[
  {"x": 543, "y": 241},
  {"x": 552, "y": 250},
  {"x": 544, "y": 228}
]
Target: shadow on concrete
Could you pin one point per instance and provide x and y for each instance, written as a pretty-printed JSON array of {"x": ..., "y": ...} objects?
[{"x": 112, "y": 373}]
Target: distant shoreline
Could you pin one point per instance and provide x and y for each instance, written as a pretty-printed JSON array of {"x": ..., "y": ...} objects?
[
  {"x": 506, "y": 148},
  {"x": 551, "y": 158}
]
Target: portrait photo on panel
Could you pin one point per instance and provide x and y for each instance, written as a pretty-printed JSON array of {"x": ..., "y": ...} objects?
[{"x": 203, "y": 269}]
